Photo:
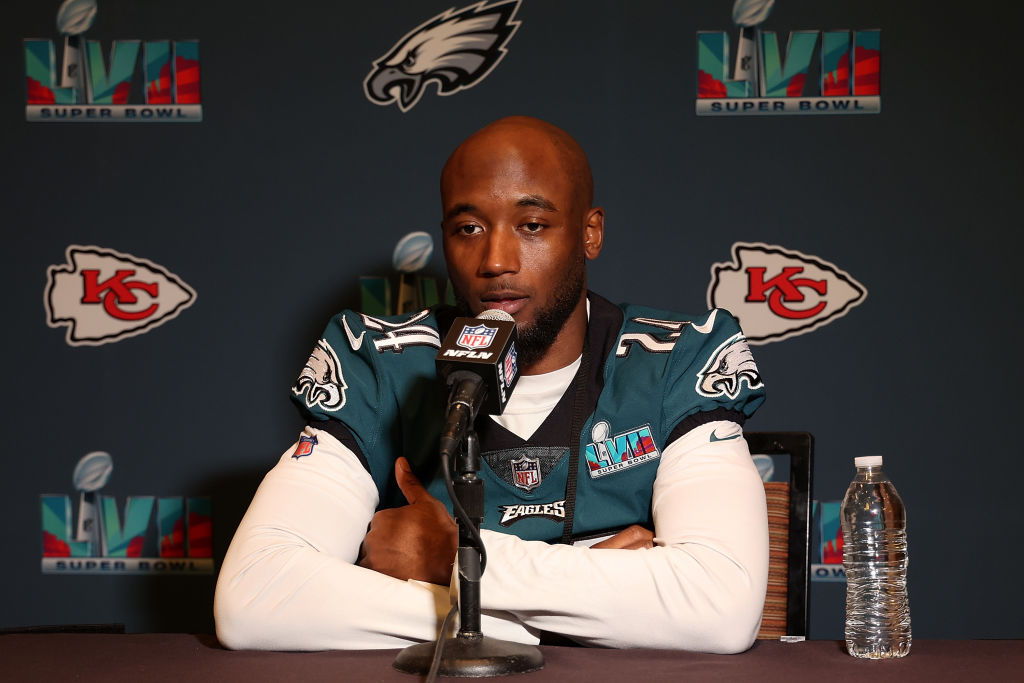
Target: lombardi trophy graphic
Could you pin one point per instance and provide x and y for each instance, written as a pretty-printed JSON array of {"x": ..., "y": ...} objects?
[
  {"x": 412, "y": 253},
  {"x": 598, "y": 436},
  {"x": 748, "y": 15},
  {"x": 91, "y": 474},
  {"x": 416, "y": 291},
  {"x": 74, "y": 18}
]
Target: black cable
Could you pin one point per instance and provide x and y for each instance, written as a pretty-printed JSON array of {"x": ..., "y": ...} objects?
[
  {"x": 461, "y": 513},
  {"x": 435, "y": 664}
]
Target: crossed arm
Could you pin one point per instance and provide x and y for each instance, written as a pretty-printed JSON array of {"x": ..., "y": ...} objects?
[
  {"x": 418, "y": 541},
  {"x": 295, "y": 576}
]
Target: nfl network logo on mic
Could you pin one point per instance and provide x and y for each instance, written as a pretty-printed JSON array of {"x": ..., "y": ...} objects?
[{"x": 478, "y": 337}]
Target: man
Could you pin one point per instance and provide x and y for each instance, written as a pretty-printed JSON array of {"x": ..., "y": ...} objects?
[{"x": 649, "y": 402}]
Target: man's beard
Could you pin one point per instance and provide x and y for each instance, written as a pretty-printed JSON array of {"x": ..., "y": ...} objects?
[{"x": 537, "y": 337}]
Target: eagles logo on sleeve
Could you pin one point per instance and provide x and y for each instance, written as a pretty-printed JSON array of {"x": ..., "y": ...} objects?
[
  {"x": 321, "y": 379},
  {"x": 456, "y": 49},
  {"x": 730, "y": 366}
]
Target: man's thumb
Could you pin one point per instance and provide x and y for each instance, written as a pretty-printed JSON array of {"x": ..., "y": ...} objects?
[{"x": 410, "y": 486}]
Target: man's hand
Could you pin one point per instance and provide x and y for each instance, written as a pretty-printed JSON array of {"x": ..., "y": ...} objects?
[
  {"x": 631, "y": 538},
  {"x": 415, "y": 541}
]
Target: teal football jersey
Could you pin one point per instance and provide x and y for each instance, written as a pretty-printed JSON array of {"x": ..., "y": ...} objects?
[{"x": 654, "y": 375}]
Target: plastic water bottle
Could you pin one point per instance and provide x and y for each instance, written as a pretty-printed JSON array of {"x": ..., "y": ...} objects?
[{"x": 875, "y": 560}]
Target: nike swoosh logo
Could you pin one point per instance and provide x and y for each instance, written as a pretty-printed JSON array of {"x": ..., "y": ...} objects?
[
  {"x": 353, "y": 341},
  {"x": 715, "y": 437},
  {"x": 706, "y": 327}
]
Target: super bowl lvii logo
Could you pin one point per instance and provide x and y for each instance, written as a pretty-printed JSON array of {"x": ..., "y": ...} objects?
[
  {"x": 95, "y": 87},
  {"x": 827, "y": 562},
  {"x": 768, "y": 80},
  {"x": 178, "y": 540}
]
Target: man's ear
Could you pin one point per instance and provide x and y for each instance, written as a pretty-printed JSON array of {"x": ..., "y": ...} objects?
[{"x": 593, "y": 233}]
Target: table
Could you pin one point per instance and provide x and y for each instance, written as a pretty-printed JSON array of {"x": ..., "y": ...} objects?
[{"x": 177, "y": 657}]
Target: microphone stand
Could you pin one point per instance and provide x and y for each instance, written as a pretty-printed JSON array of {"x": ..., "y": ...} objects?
[{"x": 470, "y": 654}]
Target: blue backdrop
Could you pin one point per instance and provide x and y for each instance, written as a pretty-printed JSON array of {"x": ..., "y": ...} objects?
[{"x": 295, "y": 183}]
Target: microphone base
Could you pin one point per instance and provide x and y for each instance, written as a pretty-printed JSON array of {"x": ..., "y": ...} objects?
[{"x": 471, "y": 656}]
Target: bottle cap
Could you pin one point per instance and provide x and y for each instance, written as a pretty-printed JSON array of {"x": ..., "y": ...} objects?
[{"x": 868, "y": 461}]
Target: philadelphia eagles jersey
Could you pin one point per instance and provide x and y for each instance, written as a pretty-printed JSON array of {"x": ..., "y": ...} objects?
[{"x": 653, "y": 376}]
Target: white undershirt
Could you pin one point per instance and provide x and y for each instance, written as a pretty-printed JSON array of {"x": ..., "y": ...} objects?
[{"x": 535, "y": 396}]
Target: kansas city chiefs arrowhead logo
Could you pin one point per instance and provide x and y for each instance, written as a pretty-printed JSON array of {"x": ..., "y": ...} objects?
[
  {"x": 456, "y": 50},
  {"x": 778, "y": 293},
  {"x": 103, "y": 296}
]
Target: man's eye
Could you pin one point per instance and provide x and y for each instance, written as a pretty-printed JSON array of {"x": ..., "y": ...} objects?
[
  {"x": 533, "y": 227},
  {"x": 470, "y": 229}
]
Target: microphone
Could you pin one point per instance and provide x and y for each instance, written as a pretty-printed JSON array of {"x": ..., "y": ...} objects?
[{"x": 479, "y": 361}]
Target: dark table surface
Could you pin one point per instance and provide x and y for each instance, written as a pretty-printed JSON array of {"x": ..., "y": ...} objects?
[{"x": 178, "y": 657}]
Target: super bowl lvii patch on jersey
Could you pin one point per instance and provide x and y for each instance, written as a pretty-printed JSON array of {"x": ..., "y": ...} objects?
[{"x": 630, "y": 448}]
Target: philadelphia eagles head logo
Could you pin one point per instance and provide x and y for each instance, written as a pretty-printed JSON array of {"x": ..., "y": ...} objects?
[
  {"x": 321, "y": 379},
  {"x": 730, "y": 366},
  {"x": 456, "y": 49}
]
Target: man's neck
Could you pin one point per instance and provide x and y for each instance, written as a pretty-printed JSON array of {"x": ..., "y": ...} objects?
[{"x": 567, "y": 346}]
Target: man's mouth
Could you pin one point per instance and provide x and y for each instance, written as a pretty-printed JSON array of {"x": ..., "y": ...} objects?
[{"x": 508, "y": 301}]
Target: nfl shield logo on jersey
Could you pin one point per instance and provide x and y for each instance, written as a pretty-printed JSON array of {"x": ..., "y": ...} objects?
[
  {"x": 526, "y": 472},
  {"x": 479, "y": 337},
  {"x": 304, "y": 447}
]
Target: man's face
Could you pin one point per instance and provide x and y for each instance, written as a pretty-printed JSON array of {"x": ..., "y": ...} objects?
[{"x": 513, "y": 233}]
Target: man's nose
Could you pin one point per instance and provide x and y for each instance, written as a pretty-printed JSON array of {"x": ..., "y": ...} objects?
[{"x": 501, "y": 253}]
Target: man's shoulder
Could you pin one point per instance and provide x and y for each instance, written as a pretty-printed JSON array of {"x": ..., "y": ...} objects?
[
  {"x": 689, "y": 363},
  {"x": 357, "y": 321},
  {"x": 659, "y": 330},
  {"x": 389, "y": 335},
  {"x": 360, "y": 357}
]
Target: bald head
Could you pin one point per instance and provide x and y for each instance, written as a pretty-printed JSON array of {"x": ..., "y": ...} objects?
[{"x": 530, "y": 139}]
